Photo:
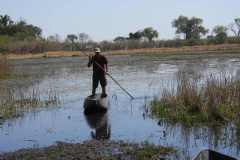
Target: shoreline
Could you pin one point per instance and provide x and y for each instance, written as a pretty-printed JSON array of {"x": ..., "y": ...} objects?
[
  {"x": 210, "y": 49},
  {"x": 92, "y": 150}
]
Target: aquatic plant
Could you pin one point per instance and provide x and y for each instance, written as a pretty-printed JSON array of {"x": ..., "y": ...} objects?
[
  {"x": 14, "y": 102},
  {"x": 214, "y": 101}
]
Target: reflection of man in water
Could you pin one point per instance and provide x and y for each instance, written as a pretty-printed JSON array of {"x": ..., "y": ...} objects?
[
  {"x": 100, "y": 68},
  {"x": 99, "y": 122},
  {"x": 101, "y": 133}
]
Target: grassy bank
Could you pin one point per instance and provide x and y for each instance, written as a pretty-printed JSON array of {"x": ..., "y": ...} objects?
[
  {"x": 207, "y": 49},
  {"x": 93, "y": 150},
  {"x": 216, "y": 101}
]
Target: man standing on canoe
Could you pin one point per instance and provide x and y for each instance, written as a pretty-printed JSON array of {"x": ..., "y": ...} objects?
[{"x": 100, "y": 68}]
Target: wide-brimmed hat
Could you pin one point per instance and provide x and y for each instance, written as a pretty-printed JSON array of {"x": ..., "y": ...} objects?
[{"x": 97, "y": 50}]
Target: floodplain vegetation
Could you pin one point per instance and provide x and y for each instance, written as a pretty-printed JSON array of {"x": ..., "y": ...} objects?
[
  {"x": 19, "y": 37},
  {"x": 94, "y": 150},
  {"x": 14, "y": 105},
  {"x": 4, "y": 68},
  {"x": 15, "y": 101},
  {"x": 193, "y": 102}
]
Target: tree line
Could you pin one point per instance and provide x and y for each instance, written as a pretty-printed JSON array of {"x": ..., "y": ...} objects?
[
  {"x": 21, "y": 37},
  {"x": 19, "y": 30}
]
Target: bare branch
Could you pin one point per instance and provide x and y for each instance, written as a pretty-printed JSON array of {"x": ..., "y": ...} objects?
[{"x": 232, "y": 28}]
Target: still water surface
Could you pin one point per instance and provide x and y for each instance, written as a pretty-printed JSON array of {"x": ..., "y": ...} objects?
[{"x": 143, "y": 76}]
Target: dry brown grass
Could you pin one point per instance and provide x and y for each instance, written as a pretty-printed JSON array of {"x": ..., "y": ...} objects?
[
  {"x": 224, "y": 48},
  {"x": 45, "y": 55},
  {"x": 5, "y": 68},
  {"x": 193, "y": 49}
]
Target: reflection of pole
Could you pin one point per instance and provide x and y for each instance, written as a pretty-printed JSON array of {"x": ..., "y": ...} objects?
[{"x": 112, "y": 78}]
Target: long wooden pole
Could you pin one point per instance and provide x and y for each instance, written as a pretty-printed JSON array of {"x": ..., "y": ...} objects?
[{"x": 114, "y": 80}]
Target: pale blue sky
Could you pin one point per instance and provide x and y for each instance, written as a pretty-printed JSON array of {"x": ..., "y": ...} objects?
[{"x": 106, "y": 19}]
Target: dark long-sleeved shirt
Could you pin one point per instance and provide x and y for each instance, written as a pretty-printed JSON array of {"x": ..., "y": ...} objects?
[{"x": 98, "y": 59}]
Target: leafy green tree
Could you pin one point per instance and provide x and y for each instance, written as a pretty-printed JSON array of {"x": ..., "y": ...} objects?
[
  {"x": 237, "y": 22},
  {"x": 20, "y": 30},
  {"x": 220, "y": 33},
  {"x": 5, "y": 24},
  {"x": 150, "y": 33},
  {"x": 24, "y": 30},
  {"x": 72, "y": 38},
  {"x": 120, "y": 39},
  {"x": 191, "y": 28},
  {"x": 135, "y": 36},
  {"x": 5, "y": 20}
]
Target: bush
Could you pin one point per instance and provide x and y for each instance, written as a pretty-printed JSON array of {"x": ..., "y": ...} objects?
[
  {"x": 233, "y": 40},
  {"x": 221, "y": 38}
]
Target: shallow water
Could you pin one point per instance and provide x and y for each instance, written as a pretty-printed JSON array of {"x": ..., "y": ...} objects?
[{"x": 143, "y": 76}]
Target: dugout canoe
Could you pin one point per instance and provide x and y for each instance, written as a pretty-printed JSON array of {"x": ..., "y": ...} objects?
[
  {"x": 95, "y": 104},
  {"x": 212, "y": 155}
]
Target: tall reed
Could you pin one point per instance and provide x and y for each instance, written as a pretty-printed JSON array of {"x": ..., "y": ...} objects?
[
  {"x": 14, "y": 102},
  {"x": 216, "y": 100}
]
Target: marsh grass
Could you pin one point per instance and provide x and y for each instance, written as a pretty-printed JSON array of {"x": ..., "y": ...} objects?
[
  {"x": 16, "y": 102},
  {"x": 214, "y": 101},
  {"x": 97, "y": 150},
  {"x": 5, "y": 68},
  {"x": 150, "y": 151}
]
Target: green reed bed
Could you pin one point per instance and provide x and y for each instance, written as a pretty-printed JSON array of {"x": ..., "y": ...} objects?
[{"x": 215, "y": 100}]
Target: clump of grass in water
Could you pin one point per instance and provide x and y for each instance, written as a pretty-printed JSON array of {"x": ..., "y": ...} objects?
[
  {"x": 215, "y": 102},
  {"x": 14, "y": 105}
]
